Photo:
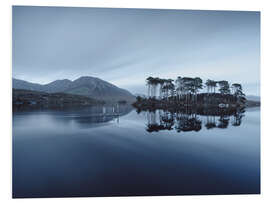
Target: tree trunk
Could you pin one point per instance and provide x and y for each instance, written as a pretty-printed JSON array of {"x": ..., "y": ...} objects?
[{"x": 148, "y": 93}]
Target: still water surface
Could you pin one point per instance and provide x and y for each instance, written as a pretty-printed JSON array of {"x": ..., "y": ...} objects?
[{"x": 92, "y": 152}]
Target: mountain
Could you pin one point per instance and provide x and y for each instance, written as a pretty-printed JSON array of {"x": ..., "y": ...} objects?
[
  {"x": 21, "y": 84},
  {"x": 99, "y": 89},
  {"x": 87, "y": 86},
  {"x": 57, "y": 86}
]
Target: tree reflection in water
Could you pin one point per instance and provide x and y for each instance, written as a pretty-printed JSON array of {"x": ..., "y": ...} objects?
[{"x": 185, "y": 120}]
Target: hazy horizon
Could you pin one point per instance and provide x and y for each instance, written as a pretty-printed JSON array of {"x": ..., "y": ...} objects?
[{"x": 125, "y": 46}]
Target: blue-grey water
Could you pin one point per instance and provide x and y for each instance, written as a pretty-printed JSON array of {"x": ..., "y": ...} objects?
[{"x": 92, "y": 152}]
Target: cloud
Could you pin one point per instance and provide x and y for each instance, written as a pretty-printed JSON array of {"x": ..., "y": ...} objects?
[{"x": 124, "y": 46}]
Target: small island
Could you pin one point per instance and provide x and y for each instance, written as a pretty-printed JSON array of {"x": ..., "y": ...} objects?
[{"x": 184, "y": 92}]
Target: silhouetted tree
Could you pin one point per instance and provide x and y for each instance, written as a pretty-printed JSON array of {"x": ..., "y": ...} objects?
[{"x": 224, "y": 87}]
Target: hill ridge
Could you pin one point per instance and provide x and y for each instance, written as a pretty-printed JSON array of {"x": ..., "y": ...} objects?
[{"x": 85, "y": 85}]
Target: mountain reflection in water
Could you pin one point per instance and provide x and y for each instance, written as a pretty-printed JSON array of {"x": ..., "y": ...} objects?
[
  {"x": 84, "y": 117},
  {"x": 96, "y": 115}
]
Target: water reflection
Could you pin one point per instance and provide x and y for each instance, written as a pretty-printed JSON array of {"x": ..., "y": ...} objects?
[
  {"x": 84, "y": 117},
  {"x": 192, "y": 120},
  {"x": 87, "y": 117},
  {"x": 75, "y": 153}
]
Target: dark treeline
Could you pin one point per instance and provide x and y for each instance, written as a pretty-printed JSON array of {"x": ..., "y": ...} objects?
[
  {"x": 185, "y": 91},
  {"x": 28, "y": 99}
]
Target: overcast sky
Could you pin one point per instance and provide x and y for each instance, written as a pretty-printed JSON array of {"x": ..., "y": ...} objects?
[{"x": 124, "y": 46}]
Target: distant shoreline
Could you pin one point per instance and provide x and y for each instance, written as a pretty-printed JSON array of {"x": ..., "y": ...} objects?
[
  {"x": 28, "y": 99},
  {"x": 251, "y": 103}
]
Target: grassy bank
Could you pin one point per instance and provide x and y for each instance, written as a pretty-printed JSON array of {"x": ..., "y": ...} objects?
[{"x": 35, "y": 99}]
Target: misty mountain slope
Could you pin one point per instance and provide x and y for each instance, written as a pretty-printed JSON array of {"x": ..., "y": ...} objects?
[
  {"x": 97, "y": 88},
  {"x": 86, "y": 86},
  {"x": 58, "y": 86},
  {"x": 21, "y": 84}
]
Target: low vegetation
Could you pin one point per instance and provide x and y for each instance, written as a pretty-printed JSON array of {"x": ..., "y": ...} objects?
[{"x": 35, "y": 99}]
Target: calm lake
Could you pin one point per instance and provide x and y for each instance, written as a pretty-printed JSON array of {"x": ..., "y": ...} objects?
[{"x": 93, "y": 152}]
